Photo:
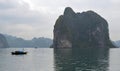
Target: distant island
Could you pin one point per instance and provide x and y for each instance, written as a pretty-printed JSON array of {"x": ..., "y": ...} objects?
[
  {"x": 81, "y": 30},
  {"x": 3, "y": 41},
  {"x": 40, "y": 42},
  {"x": 117, "y": 43}
]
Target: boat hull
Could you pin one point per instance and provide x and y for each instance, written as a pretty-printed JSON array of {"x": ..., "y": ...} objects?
[{"x": 18, "y": 53}]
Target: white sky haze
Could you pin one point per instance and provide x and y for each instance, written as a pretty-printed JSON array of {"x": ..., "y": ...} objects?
[{"x": 36, "y": 18}]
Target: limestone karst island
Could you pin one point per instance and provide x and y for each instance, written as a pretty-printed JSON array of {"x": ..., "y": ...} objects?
[
  {"x": 86, "y": 29},
  {"x": 3, "y": 41}
]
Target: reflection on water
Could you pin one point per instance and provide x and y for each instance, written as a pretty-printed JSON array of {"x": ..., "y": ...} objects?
[
  {"x": 81, "y": 59},
  {"x": 43, "y": 59}
]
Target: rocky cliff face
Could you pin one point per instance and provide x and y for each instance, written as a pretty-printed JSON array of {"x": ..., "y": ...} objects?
[
  {"x": 86, "y": 29},
  {"x": 3, "y": 42}
]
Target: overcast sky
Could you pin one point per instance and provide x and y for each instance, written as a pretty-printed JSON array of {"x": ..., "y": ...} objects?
[{"x": 36, "y": 18}]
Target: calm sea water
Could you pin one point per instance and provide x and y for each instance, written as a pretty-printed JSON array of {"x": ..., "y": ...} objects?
[{"x": 47, "y": 59}]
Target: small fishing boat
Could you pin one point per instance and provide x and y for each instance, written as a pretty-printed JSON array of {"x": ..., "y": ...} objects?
[{"x": 18, "y": 53}]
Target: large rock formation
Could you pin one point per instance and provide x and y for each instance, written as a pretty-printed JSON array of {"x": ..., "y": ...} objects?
[
  {"x": 86, "y": 29},
  {"x": 3, "y": 42}
]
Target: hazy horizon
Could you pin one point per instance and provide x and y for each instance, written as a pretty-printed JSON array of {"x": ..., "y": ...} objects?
[{"x": 36, "y": 18}]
